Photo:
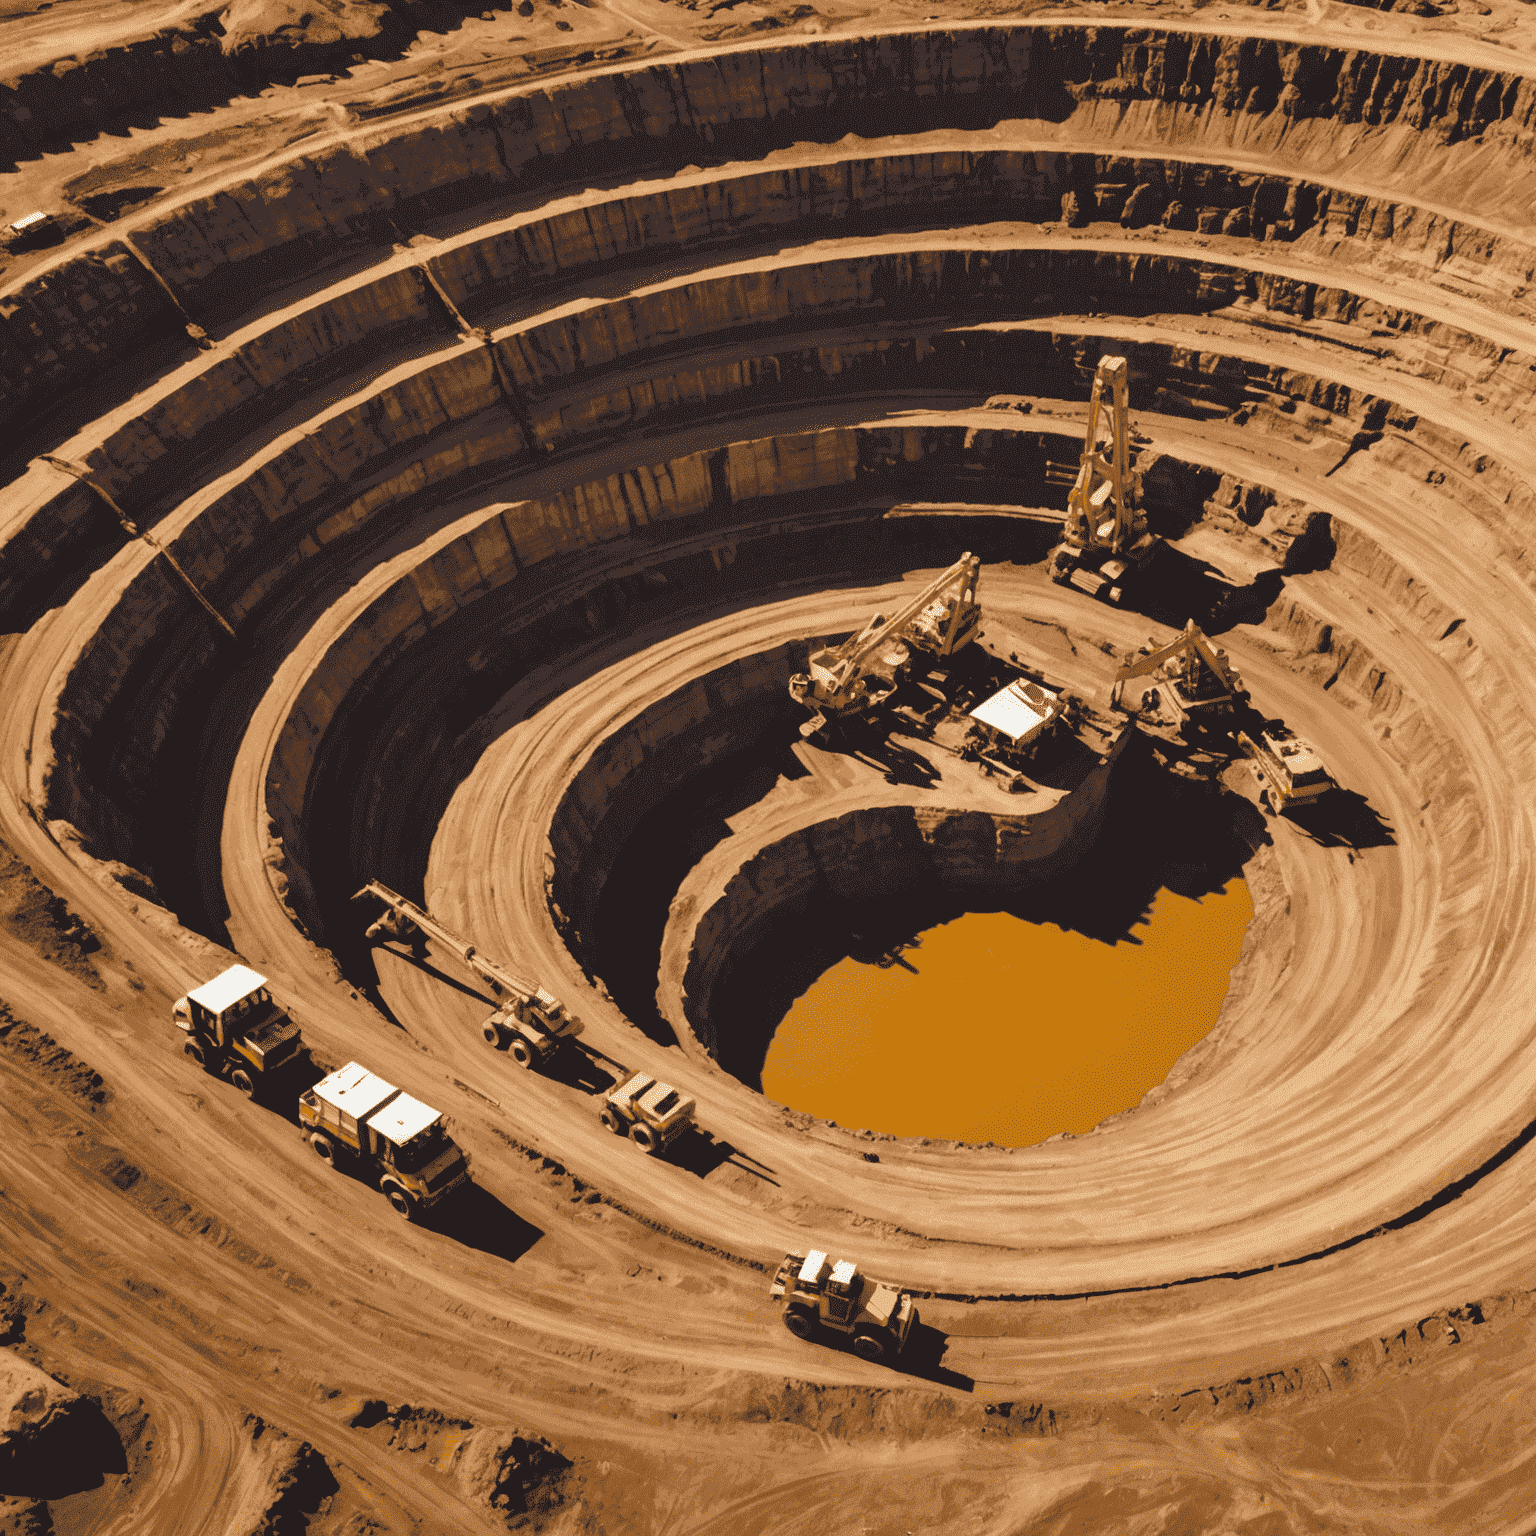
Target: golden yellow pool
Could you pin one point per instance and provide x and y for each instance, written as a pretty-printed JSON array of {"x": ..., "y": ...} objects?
[{"x": 997, "y": 1029}]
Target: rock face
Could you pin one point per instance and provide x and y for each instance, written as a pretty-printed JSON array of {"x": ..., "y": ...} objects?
[{"x": 35, "y": 1411}]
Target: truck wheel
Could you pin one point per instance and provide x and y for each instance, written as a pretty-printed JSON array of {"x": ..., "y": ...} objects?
[
  {"x": 195, "y": 1051},
  {"x": 646, "y": 1139},
  {"x": 324, "y": 1150},
  {"x": 799, "y": 1322},
  {"x": 869, "y": 1346},
  {"x": 521, "y": 1052},
  {"x": 242, "y": 1080},
  {"x": 614, "y": 1121},
  {"x": 402, "y": 1202},
  {"x": 492, "y": 1035}
]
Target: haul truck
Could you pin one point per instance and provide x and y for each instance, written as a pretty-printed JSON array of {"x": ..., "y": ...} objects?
[
  {"x": 819, "y": 1293},
  {"x": 854, "y": 677},
  {"x": 653, "y": 1115},
  {"x": 233, "y": 1029},
  {"x": 1104, "y": 542},
  {"x": 1288, "y": 769},
  {"x": 400, "y": 1143},
  {"x": 532, "y": 1022}
]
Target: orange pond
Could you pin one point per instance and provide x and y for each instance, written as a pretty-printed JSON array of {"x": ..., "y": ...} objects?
[{"x": 1009, "y": 1031}]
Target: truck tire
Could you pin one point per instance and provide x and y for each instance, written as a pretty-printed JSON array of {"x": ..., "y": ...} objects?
[
  {"x": 614, "y": 1121},
  {"x": 195, "y": 1051},
  {"x": 869, "y": 1346},
  {"x": 492, "y": 1035},
  {"x": 324, "y": 1149},
  {"x": 800, "y": 1321},
  {"x": 242, "y": 1080},
  {"x": 645, "y": 1138},
  {"x": 521, "y": 1052},
  {"x": 403, "y": 1205}
]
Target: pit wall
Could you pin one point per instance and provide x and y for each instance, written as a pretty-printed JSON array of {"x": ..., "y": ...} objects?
[
  {"x": 765, "y": 481},
  {"x": 630, "y": 772},
  {"x": 970, "y": 855},
  {"x": 460, "y": 412},
  {"x": 92, "y": 311},
  {"x": 222, "y": 252}
]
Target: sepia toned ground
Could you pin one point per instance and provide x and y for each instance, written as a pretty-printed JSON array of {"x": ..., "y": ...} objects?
[{"x": 527, "y": 392}]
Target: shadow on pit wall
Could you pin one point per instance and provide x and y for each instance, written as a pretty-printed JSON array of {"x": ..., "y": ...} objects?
[
  {"x": 1159, "y": 831},
  {"x": 75, "y": 1452}
]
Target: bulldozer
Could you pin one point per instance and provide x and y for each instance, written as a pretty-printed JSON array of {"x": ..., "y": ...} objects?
[
  {"x": 532, "y": 1023},
  {"x": 855, "y": 677},
  {"x": 820, "y": 1294},
  {"x": 396, "y": 1141},
  {"x": 653, "y": 1115},
  {"x": 1105, "y": 544},
  {"x": 234, "y": 1030},
  {"x": 1194, "y": 679},
  {"x": 1289, "y": 771}
]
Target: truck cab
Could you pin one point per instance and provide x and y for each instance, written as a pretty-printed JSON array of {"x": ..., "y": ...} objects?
[
  {"x": 234, "y": 1029},
  {"x": 822, "y": 1294},
  {"x": 353, "y": 1115}
]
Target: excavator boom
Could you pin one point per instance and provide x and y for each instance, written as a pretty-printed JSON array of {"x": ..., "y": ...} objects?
[
  {"x": 1190, "y": 645},
  {"x": 419, "y": 917},
  {"x": 941, "y": 618}
]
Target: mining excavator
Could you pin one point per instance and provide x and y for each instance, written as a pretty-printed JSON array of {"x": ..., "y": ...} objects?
[
  {"x": 532, "y": 1022},
  {"x": 1104, "y": 541},
  {"x": 233, "y": 1029},
  {"x": 1194, "y": 680},
  {"x": 821, "y": 1294},
  {"x": 854, "y": 677}
]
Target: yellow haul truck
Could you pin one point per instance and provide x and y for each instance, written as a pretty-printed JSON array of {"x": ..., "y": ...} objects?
[
  {"x": 233, "y": 1029},
  {"x": 400, "y": 1143},
  {"x": 653, "y": 1115},
  {"x": 822, "y": 1294}
]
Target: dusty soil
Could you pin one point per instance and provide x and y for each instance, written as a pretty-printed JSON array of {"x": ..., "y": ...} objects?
[{"x": 488, "y": 474}]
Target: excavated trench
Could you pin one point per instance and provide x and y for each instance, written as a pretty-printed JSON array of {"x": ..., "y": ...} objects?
[{"x": 598, "y": 402}]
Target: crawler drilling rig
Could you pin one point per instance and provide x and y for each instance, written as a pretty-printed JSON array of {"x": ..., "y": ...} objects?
[
  {"x": 1104, "y": 542},
  {"x": 532, "y": 1022}
]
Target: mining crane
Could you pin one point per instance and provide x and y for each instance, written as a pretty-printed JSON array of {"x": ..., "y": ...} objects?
[
  {"x": 853, "y": 677},
  {"x": 1104, "y": 540},
  {"x": 1197, "y": 682},
  {"x": 534, "y": 1023}
]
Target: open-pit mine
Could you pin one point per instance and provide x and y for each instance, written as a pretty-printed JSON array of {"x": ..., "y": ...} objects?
[{"x": 533, "y": 540}]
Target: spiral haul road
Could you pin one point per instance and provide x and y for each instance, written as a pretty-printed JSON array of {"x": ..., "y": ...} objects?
[{"x": 432, "y": 438}]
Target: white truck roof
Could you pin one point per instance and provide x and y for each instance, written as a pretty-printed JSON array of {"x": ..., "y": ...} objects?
[
  {"x": 402, "y": 1118},
  {"x": 843, "y": 1272},
  {"x": 354, "y": 1090},
  {"x": 226, "y": 988},
  {"x": 1017, "y": 709},
  {"x": 815, "y": 1263}
]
